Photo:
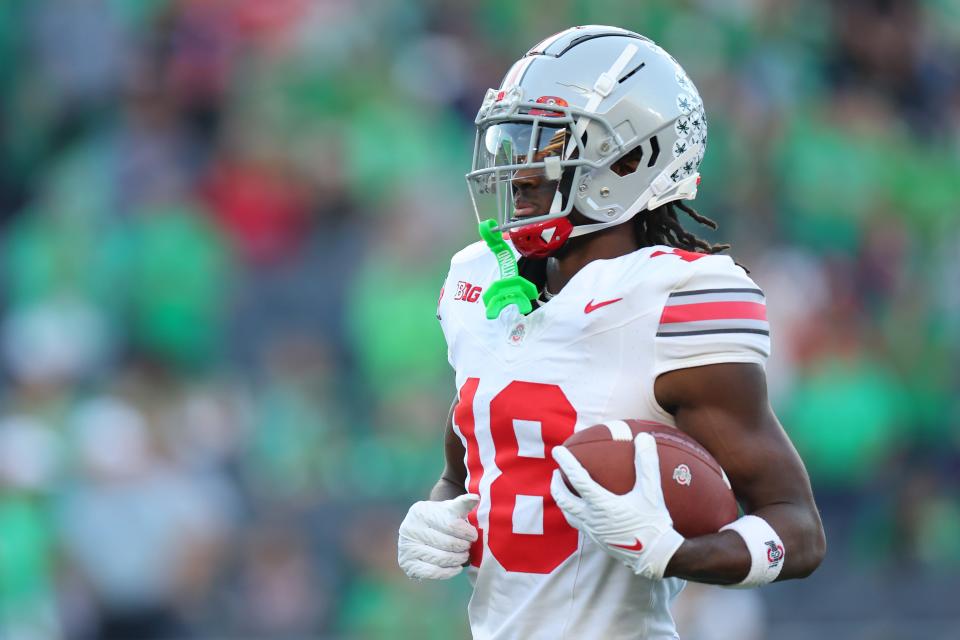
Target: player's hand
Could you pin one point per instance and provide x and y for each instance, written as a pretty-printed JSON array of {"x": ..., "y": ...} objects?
[
  {"x": 435, "y": 538},
  {"x": 635, "y": 527}
]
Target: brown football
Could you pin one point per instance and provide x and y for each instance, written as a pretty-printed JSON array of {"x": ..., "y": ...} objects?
[{"x": 695, "y": 488}]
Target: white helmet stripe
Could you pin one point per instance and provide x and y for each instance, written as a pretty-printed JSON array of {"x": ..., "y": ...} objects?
[
  {"x": 602, "y": 88},
  {"x": 605, "y": 83},
  {"x": 515, "y": 75},
  {"x": 544, "y": 44}
]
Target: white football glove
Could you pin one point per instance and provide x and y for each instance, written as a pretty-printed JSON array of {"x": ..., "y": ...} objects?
[
  {"x": 635, "y": 527},
  {"x": 435, "y": 538}
]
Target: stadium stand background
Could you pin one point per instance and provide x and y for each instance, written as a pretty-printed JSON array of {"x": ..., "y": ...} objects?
[{"x": 223, "y": 228}]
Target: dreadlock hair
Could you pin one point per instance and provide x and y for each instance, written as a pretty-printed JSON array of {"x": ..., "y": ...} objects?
[
  {"x": 658, "y": 226},
  {"x": 661, "y": 226}
]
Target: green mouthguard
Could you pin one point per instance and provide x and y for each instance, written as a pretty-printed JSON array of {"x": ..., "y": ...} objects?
[{"x": 511, "y": 288}]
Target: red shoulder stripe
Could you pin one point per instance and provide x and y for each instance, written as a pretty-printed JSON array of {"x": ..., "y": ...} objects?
[{"x": 714, "y": 311}]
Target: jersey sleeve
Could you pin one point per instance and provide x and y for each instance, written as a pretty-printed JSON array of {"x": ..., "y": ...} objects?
[
  {"x": 443, "y": 317},
  {"x": 465, "y": 268},
  {"x": 717, "y": 314}
]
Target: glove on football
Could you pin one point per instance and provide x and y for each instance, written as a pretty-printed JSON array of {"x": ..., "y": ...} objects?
[
  {"x": 435, "y": 538},
  {"x": 635, "y": 527}
]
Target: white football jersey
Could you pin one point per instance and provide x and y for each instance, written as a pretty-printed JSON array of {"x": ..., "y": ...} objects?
[{"x": 527, "y": 383}]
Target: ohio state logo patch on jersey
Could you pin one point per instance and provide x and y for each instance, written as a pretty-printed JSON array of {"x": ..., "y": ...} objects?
[
  {"x": 682, "y": 475},
  {"x": 517, "y": 334},
  {"x": 774, "y": 553},
  {"x": 467, "y": 292}
]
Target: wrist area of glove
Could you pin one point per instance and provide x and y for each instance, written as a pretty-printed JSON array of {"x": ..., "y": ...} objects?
[
  {"x": 440, "y": 514},
  {"x": 652, "y": 564}
]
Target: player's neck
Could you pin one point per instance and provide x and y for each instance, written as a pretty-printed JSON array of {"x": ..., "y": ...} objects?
[{"x": 579, "y": 252}]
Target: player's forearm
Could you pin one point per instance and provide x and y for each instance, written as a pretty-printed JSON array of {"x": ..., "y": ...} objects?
[
  {"x": 719, "y": 558},
  {"x": 452, "y": 482},
  {"x": 722, "y": 558},
  {"x": 446, "y": 489}
]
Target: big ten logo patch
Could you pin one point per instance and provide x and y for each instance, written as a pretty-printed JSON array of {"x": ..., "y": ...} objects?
[{"x": 467, "y": 292}]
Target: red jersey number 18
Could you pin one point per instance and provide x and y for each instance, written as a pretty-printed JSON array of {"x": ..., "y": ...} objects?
[{"x": 528, "y": 532}]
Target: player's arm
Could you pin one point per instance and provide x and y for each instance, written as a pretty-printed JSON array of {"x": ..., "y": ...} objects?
[
  {"x": 435, "y": 536},
  {"x": 725, "y": 408},
  {"x": 453, "y": 480}
]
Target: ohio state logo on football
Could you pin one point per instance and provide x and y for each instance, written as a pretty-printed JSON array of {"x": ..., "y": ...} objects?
[
  {"x": 774, "y": 553},
  {"x": 467, "y": 292},
  {"x": 682, "y": 475}
]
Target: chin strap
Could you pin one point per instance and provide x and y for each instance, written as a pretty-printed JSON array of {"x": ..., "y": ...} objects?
[
  {"x": 541, "y": 239},
  {"x": 511, "y": 288}
]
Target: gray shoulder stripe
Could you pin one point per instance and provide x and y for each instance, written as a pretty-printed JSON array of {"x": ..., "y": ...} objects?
[
  {"x": 695, "y": 297},
  {"x": 702, "y": 332},
  {"x": 677, "y": 294},
  {"x": 715, "y": 323}
]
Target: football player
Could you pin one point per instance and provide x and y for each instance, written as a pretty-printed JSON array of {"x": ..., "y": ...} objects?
[{"x": 584, "y": 155}]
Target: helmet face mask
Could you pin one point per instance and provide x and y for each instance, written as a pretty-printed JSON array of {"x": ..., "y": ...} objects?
[
  {"x": 521, "y": 162},
  {"x": 565, "y": 114},
  {"x": 519, "y": 140}
]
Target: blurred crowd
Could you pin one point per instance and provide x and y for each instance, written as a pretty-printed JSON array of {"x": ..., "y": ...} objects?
[{"x": 224, "y": 228}]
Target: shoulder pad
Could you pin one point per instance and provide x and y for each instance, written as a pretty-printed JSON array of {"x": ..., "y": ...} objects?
[{"x": 470, "y": 253}]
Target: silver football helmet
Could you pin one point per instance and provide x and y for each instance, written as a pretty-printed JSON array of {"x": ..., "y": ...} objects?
[{"x": 548, "y": 140}]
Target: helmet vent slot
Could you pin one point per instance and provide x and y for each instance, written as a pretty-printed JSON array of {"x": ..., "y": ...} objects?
[
  {"x": 635, "y": 69},
  {"x": 654, "y": 151}
]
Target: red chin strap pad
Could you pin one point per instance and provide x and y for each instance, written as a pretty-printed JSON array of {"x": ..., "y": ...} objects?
[{"x": 542, "y": 239}]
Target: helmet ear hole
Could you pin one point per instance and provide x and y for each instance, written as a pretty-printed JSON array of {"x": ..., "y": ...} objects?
[{"x": 629, "y": 162}]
